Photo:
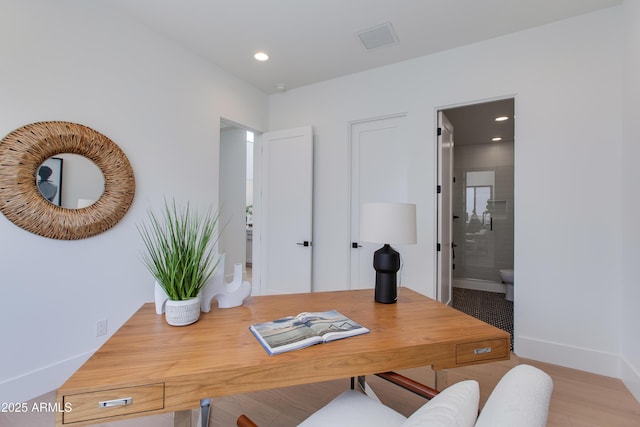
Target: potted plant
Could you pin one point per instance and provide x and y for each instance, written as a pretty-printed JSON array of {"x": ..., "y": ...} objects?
[{"x": 180, "y": 253}]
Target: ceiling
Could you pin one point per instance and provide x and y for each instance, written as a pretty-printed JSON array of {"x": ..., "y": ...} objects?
[
  {"x": 310, "y": 41},
  {"x": 476, "y": 124}
]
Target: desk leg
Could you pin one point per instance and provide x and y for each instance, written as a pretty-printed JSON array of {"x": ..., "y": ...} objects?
[
  {"x": 366, "y": 388},
  {"x": 205, "y": 408},
  {"x": 441, "y": 380},
  {"x": 182, "y": 419}
]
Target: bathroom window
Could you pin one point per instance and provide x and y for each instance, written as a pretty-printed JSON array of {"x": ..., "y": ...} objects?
[
  {"x": 477, "y": 213},
  {"x": 479, "y": 191}
]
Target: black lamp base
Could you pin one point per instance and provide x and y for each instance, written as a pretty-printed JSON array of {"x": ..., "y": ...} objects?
[{"x": 386, "y": 262}]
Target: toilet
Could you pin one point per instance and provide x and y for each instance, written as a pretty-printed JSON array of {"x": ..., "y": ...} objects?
[{"x": 507, "y": 278}]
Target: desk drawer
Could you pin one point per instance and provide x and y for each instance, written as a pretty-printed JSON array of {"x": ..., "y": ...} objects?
[
  {"x": 112, "y": 403},
  {"x": 481, "y": 350}
]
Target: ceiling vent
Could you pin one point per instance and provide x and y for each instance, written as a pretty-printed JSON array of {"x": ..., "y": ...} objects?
[{"x": 378, "y": 36}]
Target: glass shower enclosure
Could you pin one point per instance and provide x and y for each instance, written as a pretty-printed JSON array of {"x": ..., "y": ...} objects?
[{"x": 483, "y": 212}]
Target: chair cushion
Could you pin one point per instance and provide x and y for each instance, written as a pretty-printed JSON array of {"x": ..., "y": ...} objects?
[
  {"x": 455, "y": 406},
  {"x": 521, "y": 398},
  {"x": 352, "y": 408}
]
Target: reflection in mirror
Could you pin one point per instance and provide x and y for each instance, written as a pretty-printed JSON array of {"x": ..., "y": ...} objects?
[
  {"x": 81, "y": 184},
  {"x": 49, "y": 179}
]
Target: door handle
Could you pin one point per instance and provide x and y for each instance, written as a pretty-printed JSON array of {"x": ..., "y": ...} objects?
[
  {"x": 305, "y": 243},
  {"x": 355, "y": 245}
]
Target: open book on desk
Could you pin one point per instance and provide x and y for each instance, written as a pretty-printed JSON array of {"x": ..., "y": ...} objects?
[{"x": 304, "y": 330}]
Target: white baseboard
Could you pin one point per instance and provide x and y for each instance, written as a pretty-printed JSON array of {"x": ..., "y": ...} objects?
[
  {"x": 479, "y": 285},
  {"x": 25, "y": 387},
  {"x": 631, "y": 378},
  {"x": 584, "y": 359}
]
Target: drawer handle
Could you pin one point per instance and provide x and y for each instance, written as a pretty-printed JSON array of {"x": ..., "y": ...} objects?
[
  {"x": 116, "y": 402},
  {"x": 482, "y": 350}
]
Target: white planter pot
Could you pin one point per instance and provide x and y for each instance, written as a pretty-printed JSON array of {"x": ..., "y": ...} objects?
[{"x": 182, "y": 313}]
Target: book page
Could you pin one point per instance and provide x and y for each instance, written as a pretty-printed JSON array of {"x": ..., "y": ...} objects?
[
  {"x": 286, "y": 333},
  {"x": 331, "y": 324},
  {"x": 305, "y": 329}
]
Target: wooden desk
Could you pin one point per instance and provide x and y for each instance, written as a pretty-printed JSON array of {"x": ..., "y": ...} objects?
[{"x": 169, "y": 369}]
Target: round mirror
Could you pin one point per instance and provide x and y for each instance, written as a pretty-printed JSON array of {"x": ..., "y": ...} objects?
[
  {"x": 70, "y": 181},
  {"x": 25, "y": 152}
]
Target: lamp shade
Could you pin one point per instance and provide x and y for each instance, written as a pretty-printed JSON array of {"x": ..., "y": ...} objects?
[{"x": 388, "y": 223}]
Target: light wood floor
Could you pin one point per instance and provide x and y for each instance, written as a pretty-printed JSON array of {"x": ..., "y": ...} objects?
[{"x": 579, "y": 399}]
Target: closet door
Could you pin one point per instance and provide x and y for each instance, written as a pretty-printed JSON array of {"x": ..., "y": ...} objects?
[
  {"x": 380, "y": 158},
  {"x": 285, "y": 211}
]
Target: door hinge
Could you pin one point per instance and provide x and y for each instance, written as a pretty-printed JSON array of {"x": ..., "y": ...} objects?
[
  {"x": 438, "y": 247},
  {"x": 439, "y": 189},
  {"x": 439, "y": 131}
]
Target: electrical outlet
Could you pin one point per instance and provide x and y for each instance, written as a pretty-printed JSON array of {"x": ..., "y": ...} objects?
[{"x": 101, "y": 328}]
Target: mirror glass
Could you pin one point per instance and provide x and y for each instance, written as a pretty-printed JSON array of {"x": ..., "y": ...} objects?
[{"x": 70, "y": 181}]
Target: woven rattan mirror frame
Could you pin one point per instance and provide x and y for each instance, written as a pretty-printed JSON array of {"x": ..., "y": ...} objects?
[{"x": 25, "y": 149}]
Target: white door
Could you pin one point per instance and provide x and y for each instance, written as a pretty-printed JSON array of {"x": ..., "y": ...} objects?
[
  {"x": 285, "y": 212},
  {"x": 379, "y": 173},
  {"x": 445, "y": 213}
]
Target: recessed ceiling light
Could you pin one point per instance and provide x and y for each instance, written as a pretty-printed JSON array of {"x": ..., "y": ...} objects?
[
  {"x": 261, "y": 56},
  {"x": 496, "y": 139},
  {"x": 502, "y": 118}
]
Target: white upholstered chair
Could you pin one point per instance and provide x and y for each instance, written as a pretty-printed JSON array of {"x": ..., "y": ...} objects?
[{"x": 521, "y": 399}]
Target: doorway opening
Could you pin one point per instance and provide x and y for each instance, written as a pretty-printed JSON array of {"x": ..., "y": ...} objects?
[
  {"x": 236, "y": 197},
  {"x": 265, "y": 200},
  {"x": 482, "y": 214}
]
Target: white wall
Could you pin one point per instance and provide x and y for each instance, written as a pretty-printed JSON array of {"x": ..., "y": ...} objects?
[
  {"x": 630, "y": 253},
  {"x": 81, "y": 62},
  {"x": 565, "y": 79}
]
